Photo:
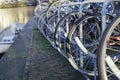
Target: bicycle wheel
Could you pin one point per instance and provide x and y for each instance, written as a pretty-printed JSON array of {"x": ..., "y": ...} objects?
[
  {"x": 42, "y": 24},
  {"x": 50, "y": 29},
  {"x": 88, "y": 30},
  {"x": 40, "y": 8},
  {"x": 51, "y": 9},
  {"x": 109, "y": 52},
  {"x": 54, "y": 8},
  {"x": 110, "y": 8},
  {"x": 39, "y": 11},
  {"x": 62, "y": 29}
]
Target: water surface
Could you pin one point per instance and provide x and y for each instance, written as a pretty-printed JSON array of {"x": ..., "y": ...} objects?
[{"x": 12, "y": 15}]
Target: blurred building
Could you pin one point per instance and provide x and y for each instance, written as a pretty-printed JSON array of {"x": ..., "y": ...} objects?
[{"x": 18, "y": 1}]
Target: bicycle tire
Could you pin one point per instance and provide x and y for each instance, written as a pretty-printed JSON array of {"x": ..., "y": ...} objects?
[
  {"x": 49, "y": 7},
  {"x": 72, "y": 56},
  {"x": 103, "y": 54},
  {"x": 40, "y": 8},
  {"x": 42, "y": 24},
  {"x": 59, "y": 26}
]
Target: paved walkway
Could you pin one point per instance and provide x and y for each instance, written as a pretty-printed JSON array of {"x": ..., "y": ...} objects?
[
  {"x": 12, "y": 64},
  {"x": 31, "y": 57}
]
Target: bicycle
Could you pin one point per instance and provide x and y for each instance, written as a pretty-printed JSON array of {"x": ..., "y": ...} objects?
[{"x": 108, "y": 52}]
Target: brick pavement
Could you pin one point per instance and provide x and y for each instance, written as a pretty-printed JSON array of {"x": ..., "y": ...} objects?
[
  {"x": 45, "y": 63},
  {"x": 31, "y": 57}
]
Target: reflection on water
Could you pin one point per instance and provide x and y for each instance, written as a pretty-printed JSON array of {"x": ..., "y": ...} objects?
[{"x": 12, "y": 15}]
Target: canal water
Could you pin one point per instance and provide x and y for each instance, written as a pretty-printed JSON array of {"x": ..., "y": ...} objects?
[{"x": 12, "y": 15}]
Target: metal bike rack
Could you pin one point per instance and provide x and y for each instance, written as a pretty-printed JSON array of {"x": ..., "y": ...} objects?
[
  {"x": 103, "y": 12},
  {"x": 79, "y": 41}
]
